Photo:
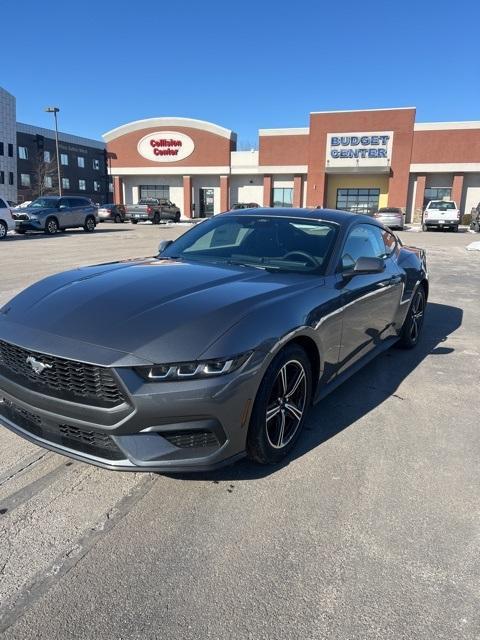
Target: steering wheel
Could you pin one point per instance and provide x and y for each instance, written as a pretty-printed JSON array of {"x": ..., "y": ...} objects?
[{"x": 303, "y": 254}]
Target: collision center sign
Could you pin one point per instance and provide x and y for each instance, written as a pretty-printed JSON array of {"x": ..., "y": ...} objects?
[
  {"x": 359, "y": 149},
  {"x": 165, "y": 146}
]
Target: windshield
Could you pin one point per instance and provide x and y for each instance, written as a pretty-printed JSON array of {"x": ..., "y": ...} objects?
[
  {"x": 43, "y": 202},
  {"x": 277, "y": 244},
  {"x": 442, "y": 205}
]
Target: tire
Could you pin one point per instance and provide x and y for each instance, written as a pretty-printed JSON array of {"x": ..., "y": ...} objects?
[
  {"x": 134, "y": 221},
  {"x": 156, "y": 218},
  {"x": 271, "y": 438},
  {"x": 51, "y": 226},
  {"x": 412, "y": 327},
  {"x": 89, "y": 226},
  {"x": 117, "y": 219},
  {"x": 424, "y": 227},
  {"x": 3, "y": 230},
  {"x": 476, "y": 226},
  {"x": 177, "y": 217},
  {"x": 455, "y": 229},
  {"x": 20, "y": 232}
]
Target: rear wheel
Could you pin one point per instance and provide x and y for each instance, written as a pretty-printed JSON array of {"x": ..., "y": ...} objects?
[
  {"x": 134, "y": 221},
  {"x": 412, "y": 327},
  {"x": 280, "y": 407},
  {"x": 89, "y": 225},
  {"x": 424, "y": 227},
  {"x": 156, "y": 218},
  {"x": 118, "y": 218},
  {"x": 177, "y": 217},
  {"x": 3, "y": 230},
  {"x": 51, "y": 227}
]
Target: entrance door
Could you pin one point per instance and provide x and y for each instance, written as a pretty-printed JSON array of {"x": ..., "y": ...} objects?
[{"x": 207, "y": 201}]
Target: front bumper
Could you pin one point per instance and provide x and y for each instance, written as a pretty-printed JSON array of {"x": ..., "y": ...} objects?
[
  {"x": 178, "y": 426},
  {"x": 29, "y": 225}
]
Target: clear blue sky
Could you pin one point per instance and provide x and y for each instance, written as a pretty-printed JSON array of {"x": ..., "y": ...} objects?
[{"x": 245, "y": 65}]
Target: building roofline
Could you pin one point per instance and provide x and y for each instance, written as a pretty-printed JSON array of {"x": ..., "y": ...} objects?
[
  {"x": 362, "y": 110},
  {"x": 169, "y": 121},
  {"x": 285, "y": 131},
  {"x": 62, "y": 137},
  {"x": 436, "y": 126}
]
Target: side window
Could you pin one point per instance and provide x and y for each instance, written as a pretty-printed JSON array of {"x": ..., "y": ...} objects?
[
  {"x": 2, "y": 204},
  {"x": 64, "y": 202},
  {"x": 390, "y": 242},
  {"x": 363, "y": 241}
]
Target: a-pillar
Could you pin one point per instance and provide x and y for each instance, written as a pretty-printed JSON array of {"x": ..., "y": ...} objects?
[
  {"x": 419, "y": 196},
  {"x": 297, "y": 191},
  {"x": 187, "y": 196},
  {"x": 267, "y": 191},
  {"x": 457, "y": 188},
  {"x": 224, "y": 193},
  {"x": 118, "y": 190}
]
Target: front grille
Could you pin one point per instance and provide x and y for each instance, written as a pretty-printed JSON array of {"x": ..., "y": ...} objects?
[
  {"x": 86, "y": 441},
  {"x": 189, "y": 439},
  {"x": 66, "y": 379}
]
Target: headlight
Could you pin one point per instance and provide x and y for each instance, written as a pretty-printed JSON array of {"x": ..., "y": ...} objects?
[
  {"x": 189, "y": 370},
  {"x": 34, "y": 218}
]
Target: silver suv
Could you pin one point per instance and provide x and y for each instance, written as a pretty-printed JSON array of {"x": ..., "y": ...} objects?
[{"x": 53, "y": 213}]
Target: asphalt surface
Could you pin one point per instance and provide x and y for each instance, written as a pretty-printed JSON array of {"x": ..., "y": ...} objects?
[{"x": 370, "y": 530}]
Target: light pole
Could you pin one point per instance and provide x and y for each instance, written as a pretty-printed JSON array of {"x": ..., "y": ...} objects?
[{"x": 55, "y": 110}]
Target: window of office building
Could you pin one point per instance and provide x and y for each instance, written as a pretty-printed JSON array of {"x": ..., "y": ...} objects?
[
  {"x": 96, "y": 163},
  {"x": 154, "y": 191},
  {"x": 2, "y": 177},
  {"x": 10, "y": 177},
  {"x": 25, "y": 179},
  {"x": 48, "y": 182},
  {"x": 81, "y": 162},
  {"x": 96, "y": 185},
  {"x": 358, "y": 200},
  {"x": 47, "y": 156},
  {"x": 10, "y": 150},
  {"x": 65, "y": 183},
  {"x": 82, "y": 185},
  {"x": 64, "y": 159},
  {"x": 282, "y": 197},
  {"x": 23, "y": 153},
  {"x": 2, "y": 149},
  {"x": 436, "y": 193}
]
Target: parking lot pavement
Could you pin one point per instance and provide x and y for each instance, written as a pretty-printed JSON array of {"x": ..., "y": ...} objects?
[{"x": 369, "y": 531}]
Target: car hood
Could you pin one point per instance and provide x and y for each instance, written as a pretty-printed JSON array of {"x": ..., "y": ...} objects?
[
  {"x": 153, "y": 310},
  {"x": 37, "y": 211}
]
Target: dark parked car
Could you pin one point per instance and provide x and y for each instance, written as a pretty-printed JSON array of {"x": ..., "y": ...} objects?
[
  {"x": 212, "y": 350},
  {"x": 111, "y": 212},
  {"x": 53, "y": 213},
  {"x": 244, "y": 205},
  {"x": 153, "y": 209}
]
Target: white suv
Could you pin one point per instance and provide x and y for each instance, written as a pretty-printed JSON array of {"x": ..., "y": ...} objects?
[
  {"x": 6, "y": 221},
  {"x": 441, "y": 213}
]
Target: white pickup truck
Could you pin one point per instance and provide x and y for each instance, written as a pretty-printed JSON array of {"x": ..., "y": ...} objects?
[
  {"x": 6, "y": 221},
  {"x": 441, "y": 213}
]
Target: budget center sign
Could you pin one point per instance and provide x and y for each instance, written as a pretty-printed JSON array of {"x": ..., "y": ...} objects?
[{"x": 359, "y": 149}]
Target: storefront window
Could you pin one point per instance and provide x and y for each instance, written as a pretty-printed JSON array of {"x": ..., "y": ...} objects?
[
  {"x": 282, "y": 197},
  {"x": 154, "y": 191},
  {"x": 358, "y": 200},
  {"x": 436, "y": 193}
]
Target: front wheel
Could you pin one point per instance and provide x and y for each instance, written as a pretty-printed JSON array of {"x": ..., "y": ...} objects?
[
  {"x": 280, "y": 407},
  {"x": 3, "y": 230},
  {"x": 51, "y": 227},
  {"x": 412, "y": 327},
  {"x": 89, "y": 225}
]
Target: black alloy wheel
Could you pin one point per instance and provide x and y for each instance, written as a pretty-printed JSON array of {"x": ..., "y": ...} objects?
[
  {"x": 280, "y": 407},
  {"x": 413, "y": 324},
  {"x": 89, "y": 225}
]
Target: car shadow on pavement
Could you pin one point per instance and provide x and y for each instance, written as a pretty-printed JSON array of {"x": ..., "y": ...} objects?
[{"x": 360, "y": 394}]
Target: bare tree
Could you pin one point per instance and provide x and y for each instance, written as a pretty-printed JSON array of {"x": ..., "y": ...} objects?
[{"x": 45, "y": 179}]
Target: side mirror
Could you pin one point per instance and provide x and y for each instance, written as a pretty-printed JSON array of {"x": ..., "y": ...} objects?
[
  {"x": 163, "y": 245},
  {"x": 365, "y": 266},
  {"x": 62, "y": 206}
]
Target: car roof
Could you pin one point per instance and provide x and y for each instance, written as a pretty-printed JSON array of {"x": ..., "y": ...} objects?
[{"x": 329, "y": 215}]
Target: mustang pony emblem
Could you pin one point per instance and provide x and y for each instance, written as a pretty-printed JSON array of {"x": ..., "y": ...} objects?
[{"x": 37, "y": 366}]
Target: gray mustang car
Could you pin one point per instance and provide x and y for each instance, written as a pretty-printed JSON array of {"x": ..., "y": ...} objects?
[{"x": 214, "y": 349}]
